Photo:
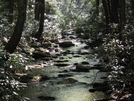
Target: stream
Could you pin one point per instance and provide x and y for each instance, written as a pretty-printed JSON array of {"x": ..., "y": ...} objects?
[{"x": 64, "y": 82}]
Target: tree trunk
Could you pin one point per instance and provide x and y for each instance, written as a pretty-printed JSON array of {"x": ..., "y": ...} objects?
[
  {"x": 122, "y": 18},
  {"x": 15, "y": 38},
  {"x": 132, "y": 7},
  {"x": 106, "y": 13},
  {"x": 11, "y": 5},
  {"x": 40, "y": 17},
  {"x": 115, "y": 8},
  {"x": 37, "y": 9},
  {"x": 123, "y": 15},
  {"x": 97, "y": 7}
]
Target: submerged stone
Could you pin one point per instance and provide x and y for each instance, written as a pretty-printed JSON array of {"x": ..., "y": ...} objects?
[
  {"x": 64, "y": 75},
  {"x": 46, "y": 98},
  {"x": 82, "y": 68},
  {"x": 67, "y": 81},
  {"x": 85, "y": 62},
  {"x": 60, "y": 65}
]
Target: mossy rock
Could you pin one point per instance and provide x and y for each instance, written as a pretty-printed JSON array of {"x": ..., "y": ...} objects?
[
  {"x": 82, "y": 68},
  {"x": 38, "y": 54},
  {"x": 34, "y": 45},
  {"x": 66, "y": 44},
  {"x": 47, "y": 44}
]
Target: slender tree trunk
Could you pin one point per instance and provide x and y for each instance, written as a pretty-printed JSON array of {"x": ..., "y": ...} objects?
[
  {"x": 123, "y": 15},
  {"x": 97, "y": 7},
  {"x": 132, "y": 7},
  {"x": 11, "y": 5},
  {"x": 40, "y": 17},
  {"x": 37, "y": 10},
  {"x": 15, "y": 38},
  {"x": 115, "y": 8},
  {"x": 106, "y": 13},
  {"x": 109, "y": 11},
  {"x": 122, "y": 18}
]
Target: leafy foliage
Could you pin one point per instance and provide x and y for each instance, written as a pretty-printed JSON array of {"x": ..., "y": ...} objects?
[
  {"x": 120, "y": 55},
  {"x": 9, "y": 86}
]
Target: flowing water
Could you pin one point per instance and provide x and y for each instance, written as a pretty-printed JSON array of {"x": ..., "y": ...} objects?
[{"x": 76, "y": 91}]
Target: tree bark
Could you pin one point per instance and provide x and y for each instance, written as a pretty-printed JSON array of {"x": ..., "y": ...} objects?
[
  {"x": 132, "y": 7},
  {"x": 40, "y": 16},
  {"x": 123, "y": 15},
  {"x": 105, "y": 7},
  {"x": 97, "y": 7},
  {"x": 37, "y": 9},
  {"x": 122, "y": 18},
  {"x": 11, "y": 5},
  {"x": 115, "y": 8},
  {"x": 15, "y": 38}
]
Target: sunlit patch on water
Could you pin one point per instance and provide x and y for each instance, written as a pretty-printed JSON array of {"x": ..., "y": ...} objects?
[{"x": 74, "y": 92}]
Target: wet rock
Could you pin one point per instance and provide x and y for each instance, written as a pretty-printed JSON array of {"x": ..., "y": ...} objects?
[
  {"x": 84, "y": 52},
  {"x": 76, "y": 56},
  {"x": 47, "y": 58},
  {"x": 36, "y": 78},
  {"x": 101, "y": 86},
  {"x": 35, "y": 45},
  {"x": 46, "y": 98},
  {"x": 97, "y": 85},
  {"x": 60, "y": 65},
  {"x": 85, "y": 62},
  {"x": 103, "y": 77},
  {"x": 56, "y": 46},
  {"x": 86, "y": 47},
  {"x": 67, "y": 81},
  {"x": 92, "y": 90},
  {"x": 64, "y": 75},
  {"x": 65, "y": 71},
  {"x": 46, "y": 44},
  {"x": 39, "y": 54},
  {"x": 67, "y": 52},
  {"x": 72, "y": 37},
  {"x": 61, "y": 61},
  {"x": 44, "y": 78},
  {"x": 82, "y": 68},
  {"x": 99, "y": 66},
  {"x": 26, "y": 78},
  {"x": 66, "y": 44}
]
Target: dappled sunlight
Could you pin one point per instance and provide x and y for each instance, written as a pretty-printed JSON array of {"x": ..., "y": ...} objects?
[{"x": 66, "y": 50}]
